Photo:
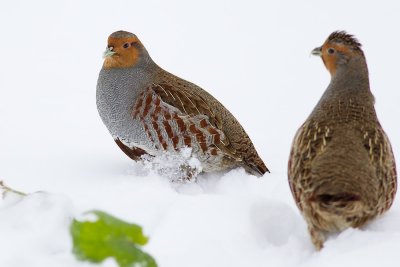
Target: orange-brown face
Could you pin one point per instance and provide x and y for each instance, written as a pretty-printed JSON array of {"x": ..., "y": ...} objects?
[
  {"x": 332, "y": 54},
  {"x": 122, "y": 52}
]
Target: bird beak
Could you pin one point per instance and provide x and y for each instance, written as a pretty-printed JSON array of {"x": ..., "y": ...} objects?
[
  {"x": 317, "y": 51},
  {"x": 108, "y": 52}
]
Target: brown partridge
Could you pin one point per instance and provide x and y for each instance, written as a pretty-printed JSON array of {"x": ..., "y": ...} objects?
[
  {"x": 341, "y": 169},
  {"x": 149, "y": 111}
]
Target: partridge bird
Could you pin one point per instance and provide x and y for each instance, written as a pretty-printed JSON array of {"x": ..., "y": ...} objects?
[
  {"x": 341, "y": 169},
  {"x": 149, "y": 111}
]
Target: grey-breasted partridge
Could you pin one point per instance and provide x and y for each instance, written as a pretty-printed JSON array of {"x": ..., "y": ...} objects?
[
  {"x": 341, "y": 169},
  {"x": 149, "y": 111}
]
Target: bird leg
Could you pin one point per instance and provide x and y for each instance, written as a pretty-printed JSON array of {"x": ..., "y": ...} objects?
[{"x": 317, "y": 237}]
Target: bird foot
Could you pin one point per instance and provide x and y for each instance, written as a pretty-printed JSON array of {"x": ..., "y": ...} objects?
[{"x": 317, "y": 237}]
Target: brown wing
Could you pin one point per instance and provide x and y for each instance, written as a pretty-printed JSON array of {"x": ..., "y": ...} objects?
[
  {"x": 381, "y": 156},
  {"x": 191, "y": 103},
  {"x": 309, "y": 140},
  {"x": 187, "y": 102},
  {"x": 172, "y": 121}
]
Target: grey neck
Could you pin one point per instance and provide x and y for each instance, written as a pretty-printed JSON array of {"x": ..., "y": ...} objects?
[
  {"x": 350, "y": 84},
  {"x": 145, "y": 61},
  {"x": 351, "y": 77}
]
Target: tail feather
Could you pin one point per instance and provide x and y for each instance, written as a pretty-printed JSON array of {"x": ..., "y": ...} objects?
[
  {"x": 256, "y": 168},
  {"x": 341, "y": 197},
  {"x": 344, "y": 203}
]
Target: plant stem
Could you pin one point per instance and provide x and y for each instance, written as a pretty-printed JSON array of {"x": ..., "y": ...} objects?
[{"x": 9, "y": 189}]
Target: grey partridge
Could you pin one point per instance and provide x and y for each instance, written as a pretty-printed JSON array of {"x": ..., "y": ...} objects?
[
  {"x": 341, "y": 169},
  {"x": 149, "y": 111}
]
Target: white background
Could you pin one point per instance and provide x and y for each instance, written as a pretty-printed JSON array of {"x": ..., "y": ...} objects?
[{"x": 254, "y": 56}]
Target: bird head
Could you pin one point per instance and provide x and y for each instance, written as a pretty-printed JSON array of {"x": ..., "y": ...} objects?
[
  {"x": 123, "y": 50},
  {"x": 337, "y": 50}
]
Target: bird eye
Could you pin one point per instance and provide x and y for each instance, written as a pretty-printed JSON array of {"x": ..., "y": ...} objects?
[
  {"x": 126, "y": 45},
  {"x": 331, "y": 51}
]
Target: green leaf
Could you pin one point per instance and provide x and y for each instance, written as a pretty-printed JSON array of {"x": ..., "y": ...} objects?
[{"x": 107, "y": 236}]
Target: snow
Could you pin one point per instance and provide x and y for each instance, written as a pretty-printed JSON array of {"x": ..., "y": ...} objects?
[{"x": 252, "y": 55}]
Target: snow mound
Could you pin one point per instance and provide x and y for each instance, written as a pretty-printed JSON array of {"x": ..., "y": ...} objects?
[{"x": 176, "y": 166}]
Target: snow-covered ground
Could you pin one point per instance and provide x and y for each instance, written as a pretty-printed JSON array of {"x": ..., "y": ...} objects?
[{"x": 252, "y": 55}]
